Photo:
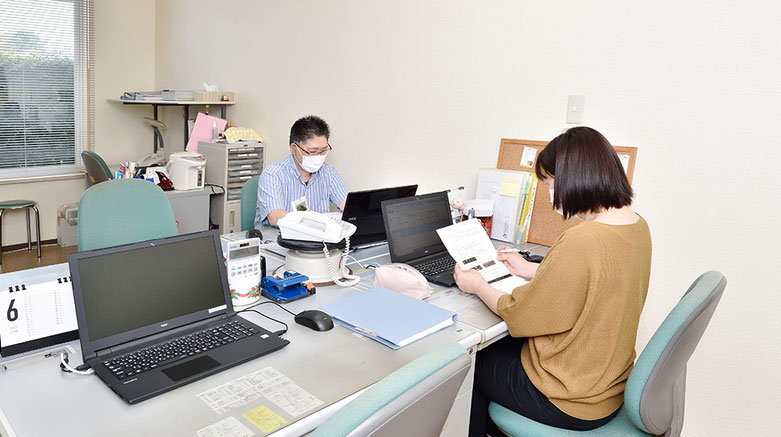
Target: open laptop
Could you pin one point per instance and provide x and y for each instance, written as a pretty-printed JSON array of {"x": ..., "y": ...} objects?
[
  {"x": 411, "y": 225},
  {"x": 157, "y": 315},
  {"x": 363, "y": 209}
]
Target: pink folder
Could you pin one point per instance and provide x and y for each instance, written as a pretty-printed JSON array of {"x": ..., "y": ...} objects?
[{"x": 202, "y": 130}]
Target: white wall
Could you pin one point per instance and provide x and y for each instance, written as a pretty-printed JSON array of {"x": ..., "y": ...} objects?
[
  {"x": 423, "y": 91},
  {"x": 124, "y": 60}
]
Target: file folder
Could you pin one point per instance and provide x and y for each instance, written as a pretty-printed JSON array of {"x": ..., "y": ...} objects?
[{"x": 388, "y": 317}]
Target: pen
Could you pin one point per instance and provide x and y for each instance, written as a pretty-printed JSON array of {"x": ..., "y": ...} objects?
[{"x": 509, "y": 251}]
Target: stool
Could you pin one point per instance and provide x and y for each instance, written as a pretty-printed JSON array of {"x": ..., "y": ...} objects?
[{"x": 19, "y": 204}]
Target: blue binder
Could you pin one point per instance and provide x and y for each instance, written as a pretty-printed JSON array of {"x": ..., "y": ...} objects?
[{"x": 393, "y": 319}]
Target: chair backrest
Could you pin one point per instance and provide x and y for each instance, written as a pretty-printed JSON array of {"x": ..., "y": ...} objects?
[
  {"x": 413, "y": 400},
  {"x": 249, "y": 200},
  {"x": 654, "y": 395},
  {"x": 122, "y": 211},
  {"x": 97, "y": 170}
]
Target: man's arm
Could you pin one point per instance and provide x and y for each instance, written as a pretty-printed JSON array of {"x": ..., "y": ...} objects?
[{"x": 274, "y": 215}]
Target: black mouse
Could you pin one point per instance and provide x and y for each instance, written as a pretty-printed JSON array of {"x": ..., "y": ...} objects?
[
  {"x": 254, "y": 233},
  {"x": 533, "y": 258},
  {"x": 315, "y": 319}
]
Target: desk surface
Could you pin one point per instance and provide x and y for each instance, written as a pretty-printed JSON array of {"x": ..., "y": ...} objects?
[
  {"x": 40, "y": 399},
  {"x": 169, "y": 102}
]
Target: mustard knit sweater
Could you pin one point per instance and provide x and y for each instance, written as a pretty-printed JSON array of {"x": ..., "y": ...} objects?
[{"x": 580, "y": 314}]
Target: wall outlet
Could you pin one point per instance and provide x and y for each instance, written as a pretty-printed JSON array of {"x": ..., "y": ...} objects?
[{"x": 576, "y": 106}]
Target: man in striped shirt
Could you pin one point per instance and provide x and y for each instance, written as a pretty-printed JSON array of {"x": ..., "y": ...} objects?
[{"x": 303, "y": 173}]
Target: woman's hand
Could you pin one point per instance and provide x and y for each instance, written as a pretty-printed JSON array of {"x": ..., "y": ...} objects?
[
  {"x": 468, "y": 280},
  {"x": 516, "y": 264}
]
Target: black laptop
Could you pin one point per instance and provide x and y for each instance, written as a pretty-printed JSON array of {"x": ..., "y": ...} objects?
[
  {"x": 411, "y": 225},
  {"x": 157, "y": 315},
  {"x": 364, "y": 210}
]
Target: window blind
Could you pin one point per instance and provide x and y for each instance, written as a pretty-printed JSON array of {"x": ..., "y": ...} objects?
[{"x": 46, "y": 86}]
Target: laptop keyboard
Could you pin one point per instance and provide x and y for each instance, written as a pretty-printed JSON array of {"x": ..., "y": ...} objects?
[
  {"x": 174, "y": 350},
  {"x": 436, "y": 265}
]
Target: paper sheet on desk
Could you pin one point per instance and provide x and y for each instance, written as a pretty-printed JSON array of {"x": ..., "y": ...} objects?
[{"x": 470, "y": 246}]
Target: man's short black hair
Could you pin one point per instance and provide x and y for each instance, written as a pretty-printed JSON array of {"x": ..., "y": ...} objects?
[
  {"x": 588, "y": 176},
  {"x": 306, "y": 128}
]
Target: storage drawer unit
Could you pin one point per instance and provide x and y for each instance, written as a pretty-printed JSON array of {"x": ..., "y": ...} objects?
[{"x": 230, "y": 166}]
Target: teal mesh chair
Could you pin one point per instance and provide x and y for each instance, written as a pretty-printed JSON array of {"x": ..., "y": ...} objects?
[
  {"x": 122, "y": 211},
  {"x": 655, "y": 392},
  {"x": 412, "y": 401},
  {"x": 97, "y": 170},
  {"x": 249, "y": 199}
]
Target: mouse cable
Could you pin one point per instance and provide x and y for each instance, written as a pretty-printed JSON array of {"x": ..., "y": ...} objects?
[
  {"x": 268, "y": 317},
  {"x": 273, "y": 303},
  {"x": 83, "y": 369}
]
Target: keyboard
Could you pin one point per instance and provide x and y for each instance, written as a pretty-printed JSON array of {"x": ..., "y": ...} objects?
[
  {"x": 436, "y": 266},
  {"x": 174, "y": 350}
]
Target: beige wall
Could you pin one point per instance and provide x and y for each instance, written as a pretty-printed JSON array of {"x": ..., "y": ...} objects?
[
  {"x": 423, "y": 91},
  {"x": 124, "y": 60}
]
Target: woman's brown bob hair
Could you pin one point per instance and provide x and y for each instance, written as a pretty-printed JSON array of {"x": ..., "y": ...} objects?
[{"x": 588, "y": 176}]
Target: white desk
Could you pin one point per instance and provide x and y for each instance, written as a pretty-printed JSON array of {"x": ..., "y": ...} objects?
[{"x": 333, "y": 366}]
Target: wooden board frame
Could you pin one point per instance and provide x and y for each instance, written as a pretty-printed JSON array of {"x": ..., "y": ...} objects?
[{"x": 546, "y": 224}]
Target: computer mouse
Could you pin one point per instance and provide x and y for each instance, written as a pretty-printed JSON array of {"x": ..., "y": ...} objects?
[
  {"x": 254, "y": 233},
  {"x": 315, "y": 319},
  {"x": 534, "y": 258}
]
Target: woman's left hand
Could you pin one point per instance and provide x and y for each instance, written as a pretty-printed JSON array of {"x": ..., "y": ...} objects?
[{"x": 468, "y": 280}]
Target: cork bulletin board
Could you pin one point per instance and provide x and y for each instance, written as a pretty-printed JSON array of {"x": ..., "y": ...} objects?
[{"x": 546, "y": 225}]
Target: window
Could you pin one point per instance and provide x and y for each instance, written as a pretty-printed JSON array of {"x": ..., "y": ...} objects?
[{"x": 46, "y": 86}]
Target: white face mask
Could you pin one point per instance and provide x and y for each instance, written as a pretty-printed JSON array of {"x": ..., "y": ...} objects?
[
  {"x": 558, "y": 210},
  {"x": 311, "y": 163}
]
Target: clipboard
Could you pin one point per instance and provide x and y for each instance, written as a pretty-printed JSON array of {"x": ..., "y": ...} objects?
[
  {"x": 36, "y": 309},
  {"x": 546, "y": 225}
]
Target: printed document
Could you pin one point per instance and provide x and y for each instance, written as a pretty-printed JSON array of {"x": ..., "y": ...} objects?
[{"x": 470, "y": 246}]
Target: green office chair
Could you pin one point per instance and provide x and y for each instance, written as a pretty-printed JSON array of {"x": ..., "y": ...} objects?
[
  {"x": 122, "y": 211},
  {"x": 655, "y": 392},
  {"x": 412, "y": 401},
  {"x": 97, "y": 170},
  {"x": 249, "y": 200}
]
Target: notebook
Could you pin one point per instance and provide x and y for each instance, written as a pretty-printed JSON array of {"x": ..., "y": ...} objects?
[
  {"x": 363, "y": 209},
  {"x": 411, "y": 226},
  {"x": 157, "y": 315},
  {"x": 388, "y": 317}
]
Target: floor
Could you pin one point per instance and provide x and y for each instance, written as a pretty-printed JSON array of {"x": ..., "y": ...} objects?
[{"x": 22, "y": 259}]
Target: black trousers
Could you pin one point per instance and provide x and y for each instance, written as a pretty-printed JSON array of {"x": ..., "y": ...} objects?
[{"x": 500, "y": 377}]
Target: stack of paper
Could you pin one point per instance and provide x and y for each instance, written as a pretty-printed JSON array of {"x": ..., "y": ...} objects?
[{"x": 393, "y": 319}]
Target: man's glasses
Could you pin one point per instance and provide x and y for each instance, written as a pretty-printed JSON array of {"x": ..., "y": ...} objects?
[{"x": 320, "y": 152}]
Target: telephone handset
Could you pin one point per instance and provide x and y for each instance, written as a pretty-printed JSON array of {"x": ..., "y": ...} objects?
[{"x": 313, "y": 226}]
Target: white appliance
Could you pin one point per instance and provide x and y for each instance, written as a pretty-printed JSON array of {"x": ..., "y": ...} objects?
[{"x": 186, "y": 170}]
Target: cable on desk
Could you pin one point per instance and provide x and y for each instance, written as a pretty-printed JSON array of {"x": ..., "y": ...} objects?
[
  {"x": 83, "y": 369},
  {"x": 278, "y": 333},
  {"x": 213, "y": 186}
]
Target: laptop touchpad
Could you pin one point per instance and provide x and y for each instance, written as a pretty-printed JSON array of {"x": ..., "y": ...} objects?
[{"x": 190, "y": 368}]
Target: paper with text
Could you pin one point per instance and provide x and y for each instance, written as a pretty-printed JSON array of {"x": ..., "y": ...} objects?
[
  {"x": 470, "y": 246},
  {"x": 230, "y": 427}
]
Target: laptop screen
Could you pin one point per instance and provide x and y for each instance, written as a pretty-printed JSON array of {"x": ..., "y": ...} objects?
[
  {"x": 364, "y": 210},
  {"x": 154, "y": 285},
  {"x": 411, "y": 224}
]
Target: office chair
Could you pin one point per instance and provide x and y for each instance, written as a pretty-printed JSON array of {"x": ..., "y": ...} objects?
[
  {"x": 249, "y": 200},
  {"x": 412, "y": 401},
  {"x": 122, "y": 211},
  {"x": 655, "y": 392},
  {"x": 97, "y": 170}
]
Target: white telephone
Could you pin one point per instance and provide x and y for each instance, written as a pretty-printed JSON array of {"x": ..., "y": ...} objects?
[{"x": 313, "y": 226}]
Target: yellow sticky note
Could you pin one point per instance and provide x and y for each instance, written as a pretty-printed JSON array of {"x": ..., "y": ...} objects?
[
  {"x": 265, "y": 419},
  {"x": 509, "y": 187}
]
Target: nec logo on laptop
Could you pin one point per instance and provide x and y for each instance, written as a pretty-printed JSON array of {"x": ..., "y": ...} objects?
[
  {"x": 352, "y": 219},
  {"x": 164, "y": 325}
]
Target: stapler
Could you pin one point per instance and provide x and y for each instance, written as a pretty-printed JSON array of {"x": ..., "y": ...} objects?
[{"x": 290, "y": 287}]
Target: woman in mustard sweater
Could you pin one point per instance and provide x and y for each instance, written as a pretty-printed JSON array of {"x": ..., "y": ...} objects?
[{"x": 573, "y": 326}]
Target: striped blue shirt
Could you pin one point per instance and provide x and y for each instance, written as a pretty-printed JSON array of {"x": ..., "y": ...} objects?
[{"x": 280, "y": 184}]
